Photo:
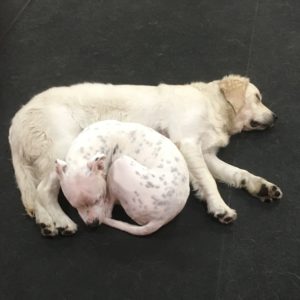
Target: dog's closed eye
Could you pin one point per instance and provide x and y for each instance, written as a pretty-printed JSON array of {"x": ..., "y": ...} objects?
[{"x": 258, "y": 97}]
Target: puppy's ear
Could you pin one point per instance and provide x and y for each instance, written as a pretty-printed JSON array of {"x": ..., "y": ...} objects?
[
  {"x": 97, "y": 162},
  {"x": 233, "y": 88},
  {"x": 60, "y": 167}
]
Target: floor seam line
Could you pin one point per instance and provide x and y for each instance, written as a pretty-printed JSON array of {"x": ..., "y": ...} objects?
[
  {"x": 252, "y": 37},
  {"x": 14, "y": 21},
  {"x": 220, "y": 268}
]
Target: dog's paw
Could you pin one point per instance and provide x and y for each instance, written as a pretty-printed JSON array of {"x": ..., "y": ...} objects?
[
  {"x": 53, "y": 222},
  {"x": 48, "y": 230},
  {"x": 51, "y": 229},
  {"x": 63, "y": 224},
  {"x": 225, "y": 215},
  {"x": 45, "y": 222},
  {"x": 67, "y": 229},
  {"x": 269, "y": 192}
]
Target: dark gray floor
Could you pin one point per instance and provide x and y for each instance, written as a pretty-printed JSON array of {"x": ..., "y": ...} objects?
[{"x": 147, "y": 42}]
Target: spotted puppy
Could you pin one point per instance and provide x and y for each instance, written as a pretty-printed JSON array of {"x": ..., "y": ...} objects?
[{"x": 113, "y": 162}]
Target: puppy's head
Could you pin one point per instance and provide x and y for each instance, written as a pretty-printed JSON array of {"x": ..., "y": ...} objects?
[
  {"x": 246, "y": 101},
  {"x": 85, "y": 189}
]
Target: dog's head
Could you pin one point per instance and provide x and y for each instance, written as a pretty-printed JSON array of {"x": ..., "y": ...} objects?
[
  {"x": 246, "y": 101},
  {"x": 85, "y": 189}
]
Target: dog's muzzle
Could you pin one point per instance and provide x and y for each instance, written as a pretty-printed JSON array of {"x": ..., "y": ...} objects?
[
  {"x": 94, "y": 224},
  {"x": 258, "y": 125}
]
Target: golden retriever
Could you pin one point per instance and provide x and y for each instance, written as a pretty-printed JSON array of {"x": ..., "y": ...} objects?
[{"x": 198, "y": 117}]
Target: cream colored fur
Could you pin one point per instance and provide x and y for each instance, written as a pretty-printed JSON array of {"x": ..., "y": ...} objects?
[{"x": 199, "y": 118}]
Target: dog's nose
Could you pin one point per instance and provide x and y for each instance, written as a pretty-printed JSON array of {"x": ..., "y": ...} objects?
[
  {"x": 93, "y": 224},
  {"x": 275, "y": 117}
]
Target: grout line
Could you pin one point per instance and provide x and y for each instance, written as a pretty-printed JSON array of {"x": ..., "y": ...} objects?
[
  {"x": 13, "y": 22},
  {"x": 222, "y": 254},
  {"x": 252, "y": 37},
  {"x": 220, "y": 268}
]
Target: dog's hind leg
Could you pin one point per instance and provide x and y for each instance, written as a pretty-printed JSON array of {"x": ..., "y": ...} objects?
[
  {"x": 47, "y": 205},
  {"x": 48, "y": 187},
  {"x": 37, "y": 138}
]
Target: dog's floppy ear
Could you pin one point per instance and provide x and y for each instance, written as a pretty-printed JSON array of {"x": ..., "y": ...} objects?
[
  {"x": 97, "y": 162},
  {"x": 233, "y": 88}
]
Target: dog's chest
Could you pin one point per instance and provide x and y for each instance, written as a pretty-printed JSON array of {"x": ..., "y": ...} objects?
[{"x": 212, "y": 139}]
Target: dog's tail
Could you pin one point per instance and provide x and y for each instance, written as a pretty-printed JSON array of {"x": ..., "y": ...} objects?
[
  {"x": 25, "y": 178},
  {"x": 26, "y": 184},
  {"x": 134, "y": 229}
]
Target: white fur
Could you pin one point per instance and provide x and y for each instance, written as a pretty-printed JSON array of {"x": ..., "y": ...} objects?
[
  {"x": 198, "y": 117},
  {"x": 147, "y": 176}
]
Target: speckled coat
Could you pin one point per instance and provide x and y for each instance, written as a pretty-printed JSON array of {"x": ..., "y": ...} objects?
[{"x": 146, "y": 174}]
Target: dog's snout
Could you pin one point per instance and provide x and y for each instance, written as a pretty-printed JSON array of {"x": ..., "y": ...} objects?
[
  {"x": 95, "y": 223},
  {"x": 275, "y": 117}
]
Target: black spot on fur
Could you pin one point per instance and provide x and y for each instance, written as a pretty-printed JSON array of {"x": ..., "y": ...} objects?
[
  {"x": 46, "y": 232},
  {"x": 221, "y": 215},
  {"x": 115, "y": 149},
  {"x": 228, "y": 219},
  {"x": 149, "y": 184},
  {"x": 163, "y": 131},
  {"x": 263, "y": 191},
  {"x": 67, "y": 233}
]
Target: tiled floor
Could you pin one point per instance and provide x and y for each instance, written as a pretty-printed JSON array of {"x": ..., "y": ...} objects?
[{"x": 47, "y": 43}]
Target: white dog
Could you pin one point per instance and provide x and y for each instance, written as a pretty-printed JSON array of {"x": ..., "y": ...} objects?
[
  {"x": 199, "y": 118},
  {"x": 146, "y": 175}
]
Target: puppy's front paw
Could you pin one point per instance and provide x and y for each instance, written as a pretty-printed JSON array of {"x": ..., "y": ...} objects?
[{"x": 269, "y": 192}]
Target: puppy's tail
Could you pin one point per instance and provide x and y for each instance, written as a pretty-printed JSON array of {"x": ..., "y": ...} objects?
[{"x": 134, "y": 229}]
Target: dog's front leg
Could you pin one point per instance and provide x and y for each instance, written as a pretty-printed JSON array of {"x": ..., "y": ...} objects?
[
  {"x": 204, "y": 183},
  {"x": 239, "y": 178}
]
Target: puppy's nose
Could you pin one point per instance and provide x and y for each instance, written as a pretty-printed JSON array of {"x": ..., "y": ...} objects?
[
  {"x": 275, "y": 117},
  {"x": 93, "y": 224}
]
